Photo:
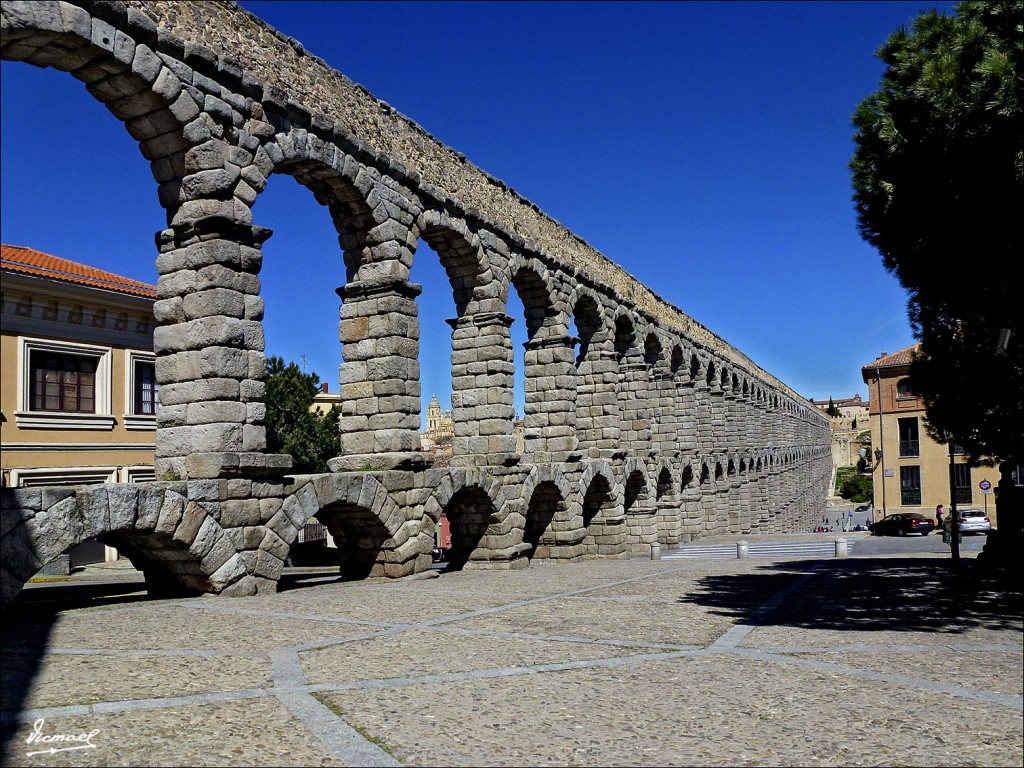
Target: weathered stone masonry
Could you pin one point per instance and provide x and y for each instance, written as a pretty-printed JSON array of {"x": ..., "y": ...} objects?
[{"x": 643, "y": 428}]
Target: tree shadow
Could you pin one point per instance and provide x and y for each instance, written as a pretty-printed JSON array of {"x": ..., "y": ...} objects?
[{"x": 896, "y": 594}]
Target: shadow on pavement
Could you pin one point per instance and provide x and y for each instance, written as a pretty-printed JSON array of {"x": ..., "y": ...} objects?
[
  {"x": 895, "y": 594},
  {"x": 25, "y": 639},
  {"x": 28, "y": 623}
]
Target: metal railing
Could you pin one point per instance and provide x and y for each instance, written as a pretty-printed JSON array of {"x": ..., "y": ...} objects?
[
  {"x": 910, "y": 448},
  {"x": 312, "y": 532}
]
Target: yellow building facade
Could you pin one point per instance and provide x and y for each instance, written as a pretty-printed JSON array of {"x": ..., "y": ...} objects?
[
  {"x": 78, "y": 390},
  {"x": 911, "y": 470}
]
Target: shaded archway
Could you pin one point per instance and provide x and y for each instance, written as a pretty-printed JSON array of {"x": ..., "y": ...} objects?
[
  {"x": 546, "y": 504},
  {"x": 635, "y": 493},
  {"x": 603, "y": 514},
  {"x": 596, "y": 403},
  {"x": 178, "y": 544},
  {"x": 359, "y": 536},
  {"x": 549, "y": 419},
  {"x": 470, "y": 514}
]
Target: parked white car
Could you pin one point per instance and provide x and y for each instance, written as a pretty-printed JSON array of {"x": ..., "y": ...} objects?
[{"x": 974, "y": 521}]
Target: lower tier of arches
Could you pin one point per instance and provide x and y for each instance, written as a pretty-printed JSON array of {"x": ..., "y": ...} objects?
[{"x": 233, "y": 537}]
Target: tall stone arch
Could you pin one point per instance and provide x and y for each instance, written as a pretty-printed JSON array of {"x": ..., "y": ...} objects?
[{"x": 549, "y": 371}]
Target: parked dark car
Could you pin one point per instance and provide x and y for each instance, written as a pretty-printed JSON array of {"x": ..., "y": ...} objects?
[
  {"x": 863, "y": 508},
  {"x": 901, "y": 524}
]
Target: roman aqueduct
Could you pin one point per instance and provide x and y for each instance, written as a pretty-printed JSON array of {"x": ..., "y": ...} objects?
[{"x": 644, "y": 429}]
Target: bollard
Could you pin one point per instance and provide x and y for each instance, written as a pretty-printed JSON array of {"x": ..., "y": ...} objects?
[
  {"x": 841, "y": 550},
  {"x": 742, "y": 550},
  {"x": 655, "y": 551}
]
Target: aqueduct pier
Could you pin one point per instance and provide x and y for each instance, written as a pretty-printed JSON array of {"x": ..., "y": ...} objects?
[{"x": 642, "y": 428}]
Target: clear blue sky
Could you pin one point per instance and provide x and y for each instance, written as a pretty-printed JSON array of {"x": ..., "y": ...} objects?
[{"x": 701, "y": 146}]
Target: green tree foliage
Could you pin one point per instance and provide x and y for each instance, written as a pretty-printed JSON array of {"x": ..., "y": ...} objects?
[
  {"x": 856, "y": 488},
  {"x": 938, "y": 178},
  {"x": 833, "y": 410},
  {"x": 310, "y": 437}
]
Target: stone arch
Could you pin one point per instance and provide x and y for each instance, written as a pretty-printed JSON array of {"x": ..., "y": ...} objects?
[
  {"x": 596, "y": 468},
  {"x": 348, "y": 189},
  {"x": 179, "y": 546},
  {"x": 116, "y": 54},
  {"x": 603, "y": 517},
  {"x": 546, "y": 473},
  {"x": 120, "y": 70},
  {"x": 461, "y": 252},
  {"x": 371, "y": 214},
  {"x": 482, "y": 359},
  {"x": 373, "y": 535},
  {"x": 584, "y": 307},
  {"x": 537, "y": 292},
  {"x": 546, "y": 495},
  {"x": 484, "y": 528},
  {"x": 625, "y": 328},
  {"x": 549, "y": 421},
  {"x": 665, "y": 486},
  {"x": 677, "y": 359},
  {"x": 636, "y": 492},
  {"x": 595, "y": 396}
]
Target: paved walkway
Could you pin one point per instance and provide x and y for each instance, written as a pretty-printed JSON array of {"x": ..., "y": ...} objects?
[{"x": 858, "y": 661}]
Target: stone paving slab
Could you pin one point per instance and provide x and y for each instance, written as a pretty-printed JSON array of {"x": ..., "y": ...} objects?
[
  {"x": 257, "y": 731},
  {"x": 145, "y": 626},
  {"x": 984, "y": 668},
  {"x": 607, "y": 620},
  {"x": 687, "y": 711},
  {"x": 633, "y": 662},
  {"x": 390, "y": 599},
  {"x": 70, "y": 678},
  {"x": 434, "y": 653}
]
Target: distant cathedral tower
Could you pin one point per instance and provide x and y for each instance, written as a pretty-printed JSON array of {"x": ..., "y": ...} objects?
[{"x": 439, "y": 423}]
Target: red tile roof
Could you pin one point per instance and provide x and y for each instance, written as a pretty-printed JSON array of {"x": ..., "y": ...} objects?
[
  {"x": 27, "y": 261},
  {"x": 902, "y": 357}
]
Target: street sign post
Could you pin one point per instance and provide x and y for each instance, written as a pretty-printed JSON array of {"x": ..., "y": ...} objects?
[{"x": 986, "y": 489}]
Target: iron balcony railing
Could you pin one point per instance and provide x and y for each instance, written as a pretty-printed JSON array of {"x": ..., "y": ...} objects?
[{"x": 910, "y": 447}]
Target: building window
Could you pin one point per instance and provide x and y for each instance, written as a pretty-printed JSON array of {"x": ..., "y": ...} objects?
[
  {"x": 962, "y": 483},
  {"x": 146, "y": 389},
  {"x": 32, "y": 478},
  {"x": 143, "y": 392},
  {"x": 139, "y": 474},
  {"x": 903, "y": 388},
  {"x": 910, "y": 444},
  {"x": 910, "y": 486},
  {"x": 64, "y": 383}
]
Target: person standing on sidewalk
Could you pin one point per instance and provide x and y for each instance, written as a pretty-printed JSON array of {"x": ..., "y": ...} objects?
[{"x": 938, "y": 516}]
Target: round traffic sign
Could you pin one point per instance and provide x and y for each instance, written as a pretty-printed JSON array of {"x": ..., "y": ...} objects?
[{"x": 984, "y": 485}]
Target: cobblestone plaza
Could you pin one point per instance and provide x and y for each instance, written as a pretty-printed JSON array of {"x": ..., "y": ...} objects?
[{"x": 858, "y": 661}]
